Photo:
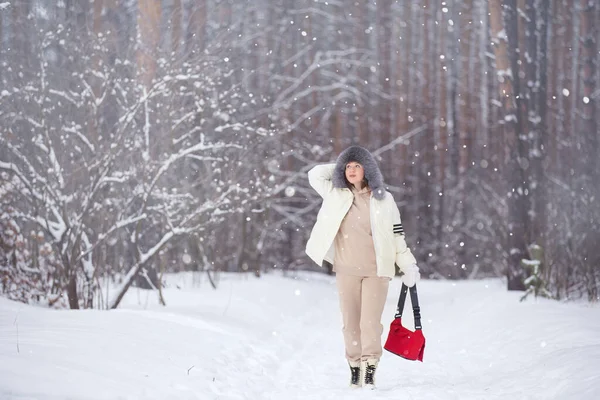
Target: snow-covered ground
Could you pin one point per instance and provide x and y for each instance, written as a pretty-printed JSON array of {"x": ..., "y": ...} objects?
[{"x": 279, "y": 338}]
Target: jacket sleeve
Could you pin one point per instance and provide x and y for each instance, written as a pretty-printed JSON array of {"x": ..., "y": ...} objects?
[
  {"x": 320, "y": 177},
  {"x": 404, "y": 257}
]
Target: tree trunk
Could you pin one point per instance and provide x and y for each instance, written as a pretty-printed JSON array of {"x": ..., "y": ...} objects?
[
  {"x": 93, "y": 118},
  {"x": 20, "y": 35},
  {"x": 554, "y": 95},
  {"x": 536, "y": 95},
  {"x": 196, "y": 31},
  {"x": 480, "y": 40},
  {"x": 442, "y": 135},
  {"x": 313, "y": 99},
  {"x": 1, "y": 48},
  {"x": 588, "y": 138},
  {"x": 243, "y": 231},
  {"x": 404, "y": 70},
  {"x": 589, "y": 128},
  {"x": 465, "y": 126},
  {"x": 360, "y": 41},
  {"x": 424, "y": 168},
  {"x": 176, "y": 20},
  {"x": 338, "y": 129},
  {"x": 384, "y": 72},
  {"x": 72, "y": 295},
  {"x": 516, "y": 229},
  {"x": 149, "y": 12}
]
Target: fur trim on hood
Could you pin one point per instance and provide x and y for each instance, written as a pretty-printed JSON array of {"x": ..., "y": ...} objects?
[{"x": 364, "y": 158}]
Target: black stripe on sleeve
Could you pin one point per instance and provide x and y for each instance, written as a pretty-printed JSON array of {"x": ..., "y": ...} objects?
[{"x": 398, "y": 229}]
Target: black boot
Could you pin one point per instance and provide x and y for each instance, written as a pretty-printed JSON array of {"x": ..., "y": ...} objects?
[
  {"x": 370, "y": 368},
  {"x": 354, "y": 374}
]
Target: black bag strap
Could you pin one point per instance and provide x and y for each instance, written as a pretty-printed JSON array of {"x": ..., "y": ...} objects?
[{"x": 415, "y": 303}]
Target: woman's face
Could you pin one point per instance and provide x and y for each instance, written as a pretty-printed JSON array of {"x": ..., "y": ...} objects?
[{"x": 355, "y": 173}]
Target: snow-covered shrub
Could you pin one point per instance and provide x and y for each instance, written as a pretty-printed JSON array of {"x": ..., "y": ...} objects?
[{"x": 535, "y": 281}]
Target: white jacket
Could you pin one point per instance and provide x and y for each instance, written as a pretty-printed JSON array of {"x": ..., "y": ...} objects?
[{"x": 390, "y": 247}]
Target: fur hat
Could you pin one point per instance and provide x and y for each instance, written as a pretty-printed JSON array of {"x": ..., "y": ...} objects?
[{"x": 364, "y": 158}]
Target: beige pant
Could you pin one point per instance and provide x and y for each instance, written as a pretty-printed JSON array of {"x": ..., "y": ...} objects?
[{"x": 361, "y": 301}]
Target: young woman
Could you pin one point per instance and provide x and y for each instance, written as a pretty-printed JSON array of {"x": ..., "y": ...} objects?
[{"x": 359, "y": 231}]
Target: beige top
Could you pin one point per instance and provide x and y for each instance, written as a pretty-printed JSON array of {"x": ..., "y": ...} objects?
[{"x": 354, "y": 248}]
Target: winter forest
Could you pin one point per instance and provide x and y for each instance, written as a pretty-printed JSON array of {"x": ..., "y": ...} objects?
[{"x": 146, "y": 137}]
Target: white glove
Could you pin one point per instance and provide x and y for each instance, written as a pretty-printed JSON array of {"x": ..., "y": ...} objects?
[{"x": 411, "y": 275}]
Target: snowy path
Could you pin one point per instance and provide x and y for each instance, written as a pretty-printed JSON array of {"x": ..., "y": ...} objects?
[{"x": 280, "y": 338}]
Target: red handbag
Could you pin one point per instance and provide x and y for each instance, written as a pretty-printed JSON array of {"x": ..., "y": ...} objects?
[{"x": 401, "y": 341}]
